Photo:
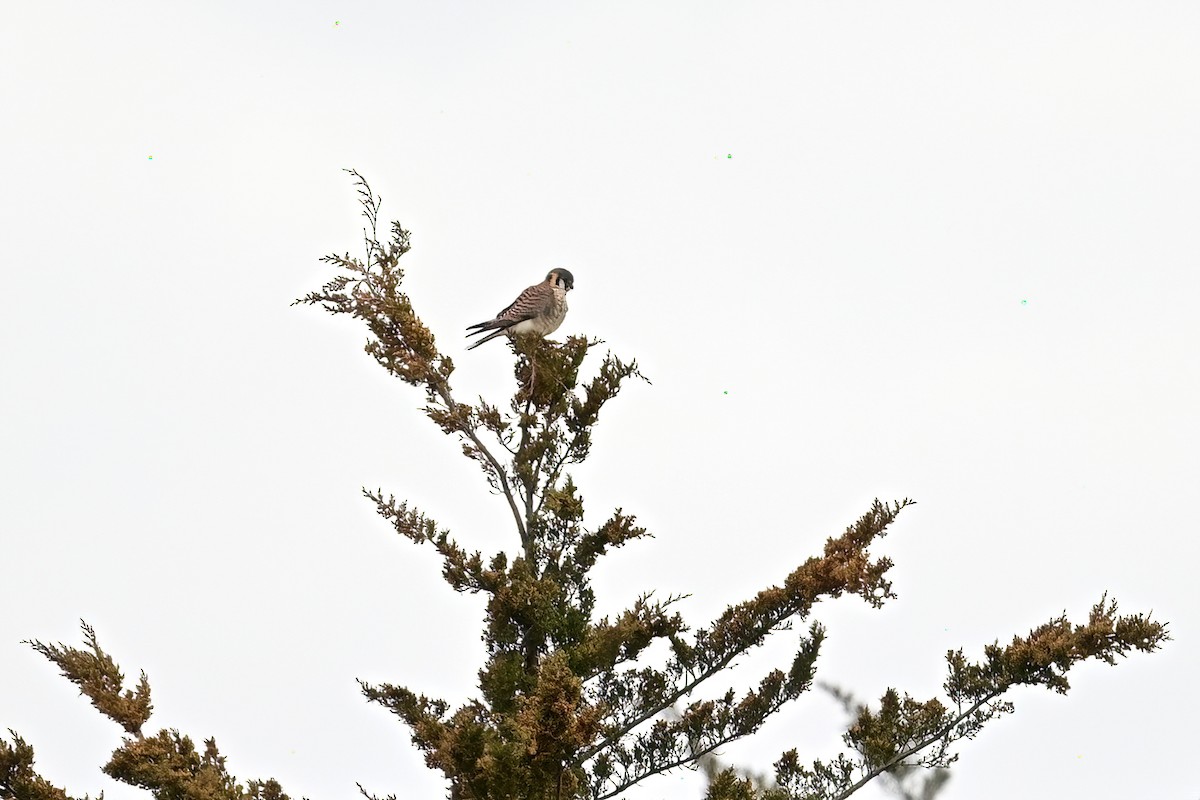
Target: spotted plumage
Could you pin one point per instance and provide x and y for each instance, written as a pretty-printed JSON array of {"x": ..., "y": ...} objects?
[{"x": 539, "y": 310}]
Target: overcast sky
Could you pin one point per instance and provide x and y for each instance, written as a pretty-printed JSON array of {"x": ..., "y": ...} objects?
[{"x": 944, "y": 251}]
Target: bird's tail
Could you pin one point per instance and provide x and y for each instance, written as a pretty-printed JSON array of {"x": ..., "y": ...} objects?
[{"x": 487, "y": 338}]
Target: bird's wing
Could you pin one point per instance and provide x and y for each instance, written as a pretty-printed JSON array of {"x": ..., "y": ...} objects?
[{"x": 530, "y": 303}]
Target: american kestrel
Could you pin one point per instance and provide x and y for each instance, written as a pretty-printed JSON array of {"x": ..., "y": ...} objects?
[{"x": 540, "y": 309}]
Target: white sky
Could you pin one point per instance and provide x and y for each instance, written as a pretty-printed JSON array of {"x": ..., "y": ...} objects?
[{"x": 938, "y": 250}]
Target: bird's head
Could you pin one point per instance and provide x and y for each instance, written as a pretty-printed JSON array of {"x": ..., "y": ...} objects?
[{"x": 563, "y": 278}]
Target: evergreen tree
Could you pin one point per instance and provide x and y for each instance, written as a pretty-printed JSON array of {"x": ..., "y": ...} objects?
[{"x": 568, "y": 706}]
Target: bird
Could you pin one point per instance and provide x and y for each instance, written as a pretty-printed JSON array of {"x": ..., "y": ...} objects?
[{"x": 540, "y": 309}]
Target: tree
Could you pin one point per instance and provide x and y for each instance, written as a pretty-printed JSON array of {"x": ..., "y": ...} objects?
[{"x": 567, "y": 705}]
